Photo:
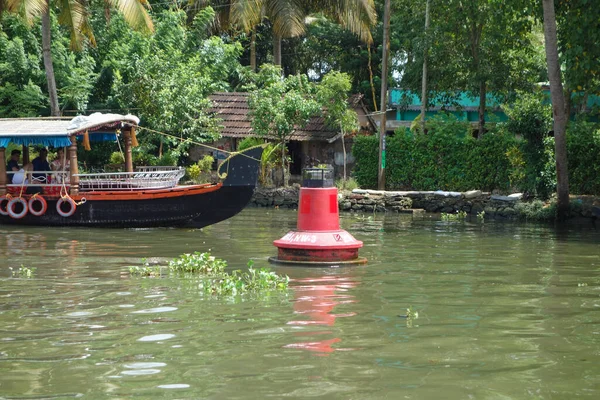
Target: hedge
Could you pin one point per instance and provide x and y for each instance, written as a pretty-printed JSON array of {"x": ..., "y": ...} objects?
[{"x": 451, "y": 159}]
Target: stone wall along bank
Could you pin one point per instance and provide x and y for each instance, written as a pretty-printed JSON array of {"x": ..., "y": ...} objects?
[{"x": 471, "y": 202}]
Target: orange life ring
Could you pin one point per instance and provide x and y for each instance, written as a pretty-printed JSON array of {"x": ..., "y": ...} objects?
[
  {"x": 4, "y": 200},
  {"x": 33, "y": 202},
  {"x": 11, "y": 207},
  {"x": 70, "y": 202}
]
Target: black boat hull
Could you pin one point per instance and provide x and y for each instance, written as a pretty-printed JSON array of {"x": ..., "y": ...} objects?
[{"x": 198, "y": 210}]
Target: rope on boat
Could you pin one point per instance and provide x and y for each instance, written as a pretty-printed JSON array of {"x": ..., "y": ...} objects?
[{"x": 231, "y": 153}]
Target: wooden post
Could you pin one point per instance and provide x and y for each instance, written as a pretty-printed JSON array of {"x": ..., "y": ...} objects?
[
  {"x": 128, "y": 156},
  {"x": 74, "y": 168},
  {"x": 3, "y": 177},
  {"x": 25, "y": 155}
]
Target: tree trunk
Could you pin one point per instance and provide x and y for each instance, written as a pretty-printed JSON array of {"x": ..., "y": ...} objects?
[
  {"x": 253, "y": 50},
  {"x": 424, "y": 78},
  {"x": 383, "y": 110},
  {"x": 558, "y": 109},
  {"x": 276, "y": 49},
  {"x": 46, "y": 40},
  {"x": 344, "y": 152},
  {"x": 482, "y": 104}
]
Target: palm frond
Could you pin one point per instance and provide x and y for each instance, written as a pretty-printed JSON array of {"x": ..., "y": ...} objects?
[
  {"x": 135, "y": 13},
  {"x": 287, "y": 16},
  {"x": 28, "y": 9},
  {"x": 246, "y": 13},
  {"x": 73, "y": 15},
  {"x": 358, "y": 16}
]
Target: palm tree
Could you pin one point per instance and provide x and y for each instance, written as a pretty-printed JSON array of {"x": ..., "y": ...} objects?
[
  {"x": 74, "y": 14},
  {"x": 288, "y": 17}
]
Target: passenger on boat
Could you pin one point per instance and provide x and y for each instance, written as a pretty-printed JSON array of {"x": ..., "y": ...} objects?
[
  {"x": 21, "y": 175},
  {"x": 61, "y": 169},
  {"x": 13, "y": 163},
  {"x": 40, "y": 163}
]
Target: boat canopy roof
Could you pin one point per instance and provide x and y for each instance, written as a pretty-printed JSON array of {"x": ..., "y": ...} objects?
[{"x": 56, "y": 132}]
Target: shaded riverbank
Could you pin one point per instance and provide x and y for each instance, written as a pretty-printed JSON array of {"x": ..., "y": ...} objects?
[{"x": 472, "y": 202}]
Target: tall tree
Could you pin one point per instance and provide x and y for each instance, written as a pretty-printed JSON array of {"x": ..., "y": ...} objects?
[
  {"x": 333, "y": 92},
  {"x": 281, "y": 105},
  {"x": 558, "y": 109},
  {"x": 288, "y": 17},
  {"x": 74, "y": 14}
]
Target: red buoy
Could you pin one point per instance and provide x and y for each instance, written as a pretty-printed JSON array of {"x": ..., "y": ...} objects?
[{"x": 318, "y": 239}]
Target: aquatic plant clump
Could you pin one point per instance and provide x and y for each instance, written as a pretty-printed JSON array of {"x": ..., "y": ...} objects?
[
  {"x": 460, "y": 215},
  {"x": 22, "y": 271},
  {"x": 198, "y": 262},
  {"x": 238, "y": 282},
  {"x": 213, "y": 278}
]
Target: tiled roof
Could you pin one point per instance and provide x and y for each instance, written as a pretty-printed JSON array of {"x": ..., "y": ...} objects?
[{"x": 232, "y": 108}]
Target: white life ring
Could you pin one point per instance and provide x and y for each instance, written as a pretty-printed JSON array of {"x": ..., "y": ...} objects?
[
  {"x": 11, "y": 207},
  {"x": 33, "y": 201},
  {"x": 70, "y": 202},
  {"x": 4, "y": 200}
]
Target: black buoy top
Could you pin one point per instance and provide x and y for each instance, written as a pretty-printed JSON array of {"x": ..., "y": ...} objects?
[{"x": 317, "y": 177}]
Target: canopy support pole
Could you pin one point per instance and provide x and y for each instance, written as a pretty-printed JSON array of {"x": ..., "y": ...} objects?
[
  {"x": 128, "y": 155},
  {"x": 3, "y": 177},
  {"x": 74, "y": 168},
  {"x": 25, "y": 155}
]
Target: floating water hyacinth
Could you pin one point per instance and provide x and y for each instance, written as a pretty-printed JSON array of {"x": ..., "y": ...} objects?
[{"x": 213, "y": 278}]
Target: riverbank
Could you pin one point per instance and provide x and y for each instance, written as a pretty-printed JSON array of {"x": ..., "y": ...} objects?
[{"x": 473, "y": 202}]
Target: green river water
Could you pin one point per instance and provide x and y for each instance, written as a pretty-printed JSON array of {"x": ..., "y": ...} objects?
[{"x": 505, "y": 311}]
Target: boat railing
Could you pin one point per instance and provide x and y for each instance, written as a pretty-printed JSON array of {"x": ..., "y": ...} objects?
[
  {"x": 140, "y": 179},
  {"x": 130, "y": 180}
]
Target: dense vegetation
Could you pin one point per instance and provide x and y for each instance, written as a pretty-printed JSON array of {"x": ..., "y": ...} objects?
[
  {"x": 161, "y": 64},
  {"x": 449, "y": 158}
]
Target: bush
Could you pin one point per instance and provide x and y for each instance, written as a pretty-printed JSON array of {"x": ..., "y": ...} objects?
[
  {"x": 583, "y": 149},
  {"x": 117, "y": 158},
  {"x": 530, "y": 117},
  {"x": 447, "y": 158},
  {"x": 348, "y": 184}
]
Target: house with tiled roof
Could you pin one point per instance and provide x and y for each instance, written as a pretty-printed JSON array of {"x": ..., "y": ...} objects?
[{"x": 312, "y": 144}]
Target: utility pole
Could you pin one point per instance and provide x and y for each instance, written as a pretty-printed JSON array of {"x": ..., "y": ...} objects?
[
  {"x": 424, "y": 78},
  {"x": 383, "y": 108}
]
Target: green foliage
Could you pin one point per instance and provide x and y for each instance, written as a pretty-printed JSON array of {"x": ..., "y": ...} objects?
[
  {"x": 366, "y": 152},
  {"x": 281, "y": 105},
  {"x": 583, "y": 148},
  {"x": 578, "y": 35},
  {"x": 117, "y": 158},
  {"x": 167, "y": 77},
  {"x": 21, "y": 77},
  {"x": 253, "y": 281},
  {"x": 447, "y": 158},
  {"x": 346, "y": 184},
  {"x": 333, "y": 92},
  {"x": 201, "y": 169},
  {"x": 197, "y": 262},
  {"x": 193, "y": 172},
  {"x": 459, "y": 216},
  {"x": 536, "y": 210},
  {"x": 146, "y": 270},
  {"x": 22, "y": 271},
  {"x": 530, "y": 116},
  {"x": 248, "y": 142},
  {"x": 213, "y": 279}
]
